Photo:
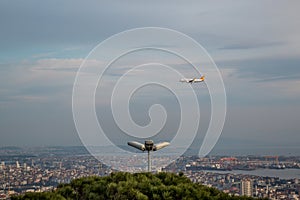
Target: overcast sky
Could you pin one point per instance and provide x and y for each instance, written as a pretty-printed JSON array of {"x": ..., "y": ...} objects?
[{"x": 255, "y": 44}]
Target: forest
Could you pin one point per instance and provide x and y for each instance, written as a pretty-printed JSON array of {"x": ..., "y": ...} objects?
[{"x": 137, "y": 186}]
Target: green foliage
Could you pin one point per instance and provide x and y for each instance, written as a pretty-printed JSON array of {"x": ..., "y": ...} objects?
[
  {"x": 39, "y": 196},
  {"x": 138, "y": 186}
]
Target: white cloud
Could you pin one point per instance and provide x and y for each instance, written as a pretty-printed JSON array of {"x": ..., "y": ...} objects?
[{"x": 57, "y": 64}]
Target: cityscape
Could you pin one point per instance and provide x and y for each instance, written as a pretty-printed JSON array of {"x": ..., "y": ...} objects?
[{"x": 43, "y": 169}]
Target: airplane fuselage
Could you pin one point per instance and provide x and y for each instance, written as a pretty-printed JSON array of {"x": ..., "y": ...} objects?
[{"x": 192, "y": 80}]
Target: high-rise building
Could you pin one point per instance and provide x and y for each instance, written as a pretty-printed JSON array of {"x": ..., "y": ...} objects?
[
  {"x": 17, "y": 164},
  {"x": 246, "y": 188}
]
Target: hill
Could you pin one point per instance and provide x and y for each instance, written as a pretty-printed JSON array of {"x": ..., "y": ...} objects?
[{"x": 122, "y": 185}]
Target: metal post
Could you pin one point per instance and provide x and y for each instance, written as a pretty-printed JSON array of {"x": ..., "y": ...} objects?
[{"x": 149, "y": 162}]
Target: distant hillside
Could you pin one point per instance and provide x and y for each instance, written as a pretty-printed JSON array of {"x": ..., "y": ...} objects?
[
  {"x": 10, "y": 148},
  {"x": 137, "y": 186}
]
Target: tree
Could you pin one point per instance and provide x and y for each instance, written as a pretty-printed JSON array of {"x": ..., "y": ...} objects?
[{"x": 138, "y": 186}]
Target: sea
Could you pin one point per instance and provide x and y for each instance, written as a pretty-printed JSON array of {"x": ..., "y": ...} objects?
[{"x": 282, "y": 173}]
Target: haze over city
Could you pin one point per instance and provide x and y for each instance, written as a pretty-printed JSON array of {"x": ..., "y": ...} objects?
[{"x": 254, "y": 44}]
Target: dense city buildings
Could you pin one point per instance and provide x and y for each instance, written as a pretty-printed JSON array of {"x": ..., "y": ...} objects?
[{"x": 38, "y": 170}]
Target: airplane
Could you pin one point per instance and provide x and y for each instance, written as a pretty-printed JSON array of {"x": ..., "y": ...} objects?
[{"x": 192, "y": 80}]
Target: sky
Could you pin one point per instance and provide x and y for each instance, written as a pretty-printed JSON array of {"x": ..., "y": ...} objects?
[{"x": 255, "y": 45}]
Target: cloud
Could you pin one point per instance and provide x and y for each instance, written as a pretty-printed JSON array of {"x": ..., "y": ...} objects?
[
  {"x": 54, "y": 64},
  {"x": 255, "y": 44},
  {"x": 219, "y": 25},
  {"x": 249, "y": 45},
  {"x": 267, "y": 68},
  {"x": 39, "y": 81}
]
